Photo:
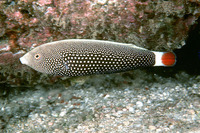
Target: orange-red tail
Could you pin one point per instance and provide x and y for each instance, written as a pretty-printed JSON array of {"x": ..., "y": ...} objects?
[
  {"x": 164, "y": 59},
  {"x": 168, "y": 59}
]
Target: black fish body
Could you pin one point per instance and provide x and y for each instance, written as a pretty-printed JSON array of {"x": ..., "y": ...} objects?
[{"x": 78, "y": 57}]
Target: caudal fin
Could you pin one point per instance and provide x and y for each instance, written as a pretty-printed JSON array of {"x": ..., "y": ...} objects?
[{"x": 165, "y": 59}]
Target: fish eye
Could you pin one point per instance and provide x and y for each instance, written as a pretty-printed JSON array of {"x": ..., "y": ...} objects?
[{"x": 37, "y": 56}]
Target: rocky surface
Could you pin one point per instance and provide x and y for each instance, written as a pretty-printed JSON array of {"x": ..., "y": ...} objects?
[{"x": 24, "y": 24}]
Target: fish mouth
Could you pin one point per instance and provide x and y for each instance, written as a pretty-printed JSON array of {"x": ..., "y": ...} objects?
[{"x": 23, "y": 60}]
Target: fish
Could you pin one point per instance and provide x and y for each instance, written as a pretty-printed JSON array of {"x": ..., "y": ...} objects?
[{"x": 80, "y": 57}]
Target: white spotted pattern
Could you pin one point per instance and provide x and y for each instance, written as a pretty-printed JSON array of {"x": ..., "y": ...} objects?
[
  {"x": 86, "y": 57},
  {"x": 103, "y": 60}
]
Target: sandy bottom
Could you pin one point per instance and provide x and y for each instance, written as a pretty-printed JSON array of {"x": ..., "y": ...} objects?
[{"x": 138, "y": 101}]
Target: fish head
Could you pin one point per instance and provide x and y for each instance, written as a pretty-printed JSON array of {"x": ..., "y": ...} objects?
[{"x": 38, "y": 59}]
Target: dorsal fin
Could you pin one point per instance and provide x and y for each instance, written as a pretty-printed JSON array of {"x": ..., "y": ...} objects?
[{"x": 102, "y": 41}]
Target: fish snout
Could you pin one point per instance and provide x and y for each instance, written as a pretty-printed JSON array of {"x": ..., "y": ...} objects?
[{"x": 23, "y": 60}]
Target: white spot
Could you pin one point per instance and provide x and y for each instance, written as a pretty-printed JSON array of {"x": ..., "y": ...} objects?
[
  {"x": 139, "y": 104},
  {"x": 66, "y": 66},
  {"x": 63, "y": 112},
  {"x": 131, "y": 109},
  {"x": 102, "y": 2}
]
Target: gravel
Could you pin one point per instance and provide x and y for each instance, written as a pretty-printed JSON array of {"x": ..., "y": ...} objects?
[{"x": 136, "y": 101}]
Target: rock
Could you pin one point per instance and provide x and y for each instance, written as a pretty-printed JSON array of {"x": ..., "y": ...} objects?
[{"x": 24, "y": 24}]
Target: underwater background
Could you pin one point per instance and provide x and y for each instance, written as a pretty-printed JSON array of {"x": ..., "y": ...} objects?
[{"x": 144, "y": 100}]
